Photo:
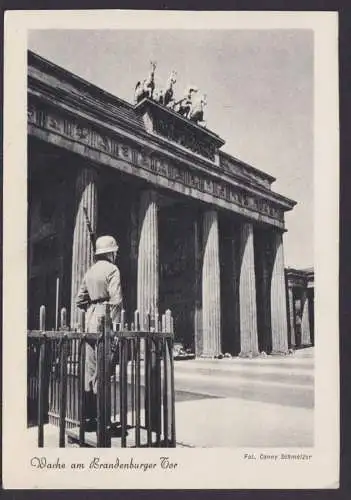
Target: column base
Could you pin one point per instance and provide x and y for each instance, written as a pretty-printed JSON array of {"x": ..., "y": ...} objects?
[
  {"x": 208, "y": 356},
  {"x": 281, "y": 353},
  {"x": 248, "y": 355}
]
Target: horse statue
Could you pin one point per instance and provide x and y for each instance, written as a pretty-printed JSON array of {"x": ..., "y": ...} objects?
[
  {"x": 168, "y": 95},
  {"x": 149, "y": 83},
  {"x": 159, "y": 96},
  {"x": 184, "y": 106},
  {"x": 139, "y": 92},
  {"x": 146, "y": 87},
  {"x": 197, "y": 111}
]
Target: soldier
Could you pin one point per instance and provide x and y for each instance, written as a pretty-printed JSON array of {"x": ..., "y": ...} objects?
[{"x": 101, "y": 285}]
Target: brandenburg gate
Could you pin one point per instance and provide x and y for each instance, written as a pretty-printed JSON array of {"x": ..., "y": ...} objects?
[{"x": 200, "y": 232}]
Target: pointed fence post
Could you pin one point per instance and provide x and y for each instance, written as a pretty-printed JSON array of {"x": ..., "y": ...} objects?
[
  {"x": 137, "y": 380},
  {"x": 169, "y": 325},
  {"x": 101, "y": 419},
  {"x": 81, "y": 327},
  {"x": 157, "y": 401},
  {"x": 42, "y": 318},
  {"x": 63, "y": 390},
  {"x": 63, "y": 319},
  {"x": 107, "y": 375},
  {"x": 57, "y": 304},
  {"x": 81, "y": 390},
  {"x": 41, "y": 388}
]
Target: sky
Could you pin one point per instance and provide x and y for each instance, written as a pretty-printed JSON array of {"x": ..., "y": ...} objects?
[{"x": 259, "y": 87}]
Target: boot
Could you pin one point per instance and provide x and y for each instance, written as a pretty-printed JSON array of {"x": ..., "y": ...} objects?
[{"x": 90, "y": 411}]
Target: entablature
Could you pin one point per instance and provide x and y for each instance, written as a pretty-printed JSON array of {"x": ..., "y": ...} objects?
[
  {"x": 58, "y": 111},
  {"x": 300, "y": 278}
]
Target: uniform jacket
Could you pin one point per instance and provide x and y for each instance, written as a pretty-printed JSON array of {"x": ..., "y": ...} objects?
[{"x": 101, "y": 284}]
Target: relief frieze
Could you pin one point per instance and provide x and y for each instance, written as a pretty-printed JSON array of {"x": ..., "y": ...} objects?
[
  {"x": 68, "y": 128},
  {"x": 81, "y": 132},
  {"x": 31, "y": 116},
  {"x": 230, "y": 166},
  {"x": 54, "y": 123},
  {"x": 138, "y": 157},
  {"x": 103, "y": 143},
  {"x": 188, "y": 138}
]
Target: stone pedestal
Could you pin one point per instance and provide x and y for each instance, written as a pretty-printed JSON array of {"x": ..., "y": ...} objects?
[
  {"x": 148, "y": 255},
  {"x": 292, "y": 317},
  {"x": 247, "y": 294},
  {"x": 82, "y": 249},
  {"x": 279, "y": 319},
  {"x": 305, "y": 320},
  {"x": 211, "y": 306}
]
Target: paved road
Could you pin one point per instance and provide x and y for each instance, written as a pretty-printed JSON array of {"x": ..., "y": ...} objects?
[
  {"x": 243, "y": 402},
  {"x": 283, "y": 381}
]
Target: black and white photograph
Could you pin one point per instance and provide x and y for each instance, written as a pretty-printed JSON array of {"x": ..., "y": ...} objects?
[{"x": 170, "y": 234}]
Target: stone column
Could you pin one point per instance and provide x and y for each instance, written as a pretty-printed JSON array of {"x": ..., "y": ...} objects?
[
  {"x": 235, "y": 275},
  {"x": 211, "y": 306},
  {"x": 198, "y": 289},
  {"x": 279, "y": 318},
  {"x": 133, "y": 258},
  {"x": 247, "y": 294},
  {"x": 148, "y": 255},
  {"x": 305, "y": 320},
  {"x": 292, "y": 316},
  {"x": 82, "y": 250}
]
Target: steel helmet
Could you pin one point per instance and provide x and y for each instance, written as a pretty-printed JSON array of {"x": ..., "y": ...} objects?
[{"x": 105, "y": 244}]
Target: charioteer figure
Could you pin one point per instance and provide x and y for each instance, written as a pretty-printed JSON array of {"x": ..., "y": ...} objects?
[
  {"x": 197, "y": 110},
  {"x": 183, "y": 107},
  {"x": 169, "y": 92}
]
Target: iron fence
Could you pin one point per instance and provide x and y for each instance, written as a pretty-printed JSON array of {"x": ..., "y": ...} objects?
[{"x": 135, "y": 382}]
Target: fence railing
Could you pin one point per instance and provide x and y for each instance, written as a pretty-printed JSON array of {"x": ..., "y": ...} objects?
[{"x": 135, "y": 382}]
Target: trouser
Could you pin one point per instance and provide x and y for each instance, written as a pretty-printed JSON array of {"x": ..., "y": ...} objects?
[
  {"x": 90, "y": 405},
  {"x": 91, "y": 378},
  {"x": 94, "y": 317}
]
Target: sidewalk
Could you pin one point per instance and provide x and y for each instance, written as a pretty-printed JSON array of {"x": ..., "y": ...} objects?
[{"x": 233, "y": 422}]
